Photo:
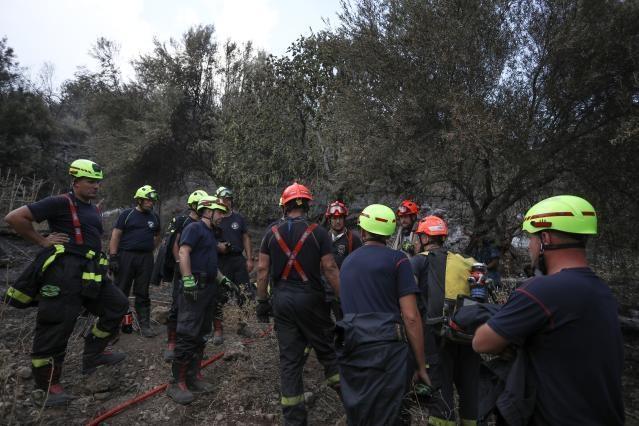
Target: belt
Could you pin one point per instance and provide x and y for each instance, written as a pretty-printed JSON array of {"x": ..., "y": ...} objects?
[
  {"x": 204, "y": 278},
  {"x": 310, "y": 285}
]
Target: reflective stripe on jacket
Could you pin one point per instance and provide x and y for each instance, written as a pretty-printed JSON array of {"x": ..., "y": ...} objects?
[{"x": 24, "y": 292}]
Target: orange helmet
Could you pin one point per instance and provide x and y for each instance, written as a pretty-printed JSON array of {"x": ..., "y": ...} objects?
[
  {"x": 407, "y": 208},
  {"x": 432, "y": 225},
  {"x": 336, "y": 208},
  {"x": 294, "y": 192}
]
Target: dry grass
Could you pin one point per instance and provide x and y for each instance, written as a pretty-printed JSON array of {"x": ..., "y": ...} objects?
[{"x": 16, "y": 191}]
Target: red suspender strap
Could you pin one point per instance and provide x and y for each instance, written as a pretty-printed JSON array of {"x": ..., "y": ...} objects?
[
  {"x": 79, "y": 240},
  {"x": 292, "y": 255},
  {"x": 349, "y": 239}
]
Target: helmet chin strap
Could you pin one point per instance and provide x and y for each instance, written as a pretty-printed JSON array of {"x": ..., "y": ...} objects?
[
  {"x": 564, "y": 246},
  {"x": 207, "y": 219},
  {"x": 541, "y": 263}
]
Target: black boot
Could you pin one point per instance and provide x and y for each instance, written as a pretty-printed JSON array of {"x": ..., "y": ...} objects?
[
  {"x": 47, "y": 378},
  {"x": 96, "y": 353},
  {"x": 145, "y": 322},
  {"x": 194, "y": 379},
  {"x": 178, "y": 391},
  {"x": 169, "y": 352}
]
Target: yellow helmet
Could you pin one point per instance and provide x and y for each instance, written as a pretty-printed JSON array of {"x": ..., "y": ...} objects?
[
  {"x": 196, "y": 196},
  {"x": 211, "y": 203},
  {"x": 566, "y": 213},
  {"x": 378, "y": 219},
  {"x": 85, "y": 168},
  {"x": 146, "y": 192}
]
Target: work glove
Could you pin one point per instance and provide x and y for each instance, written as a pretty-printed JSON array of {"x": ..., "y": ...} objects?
[
  {"x": 230, "y": 285},
  {"x": 408, "y": 247},
  {"x": 423, "y": 390},
  {"x": 263, "y": 310},
  {"x": 422, "y": 386},
  {"x": 189, "y": 287},
  {"x": 114, "y": 264}
]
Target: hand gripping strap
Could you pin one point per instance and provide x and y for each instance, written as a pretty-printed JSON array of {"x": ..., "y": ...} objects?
[{"x": 292, "y": 255}]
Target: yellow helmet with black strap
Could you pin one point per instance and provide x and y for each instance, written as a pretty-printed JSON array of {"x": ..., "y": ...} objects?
[
  {"x": 85, "y": 168},
  {"x": 146, "y": 192}
]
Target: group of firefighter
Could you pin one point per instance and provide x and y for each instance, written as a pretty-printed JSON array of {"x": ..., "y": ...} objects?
[{"x": 393, "y": 317}]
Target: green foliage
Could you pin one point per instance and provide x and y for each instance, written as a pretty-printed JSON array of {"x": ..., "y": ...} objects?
[
  {"x": 26, "y": 125},
  {"x": 497, "y": 101},
  {"x": 479, "y": 108},
  {"x": 9, "y": 72}
]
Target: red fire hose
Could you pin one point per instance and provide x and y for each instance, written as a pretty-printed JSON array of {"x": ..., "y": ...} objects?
[{"x": 119, "y": 408}]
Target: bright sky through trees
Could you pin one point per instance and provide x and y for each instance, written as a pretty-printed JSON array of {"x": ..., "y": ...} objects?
[{"x": 61, "y": 32}]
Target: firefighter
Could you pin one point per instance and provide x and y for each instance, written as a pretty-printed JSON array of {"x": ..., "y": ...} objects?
[
  {"x": 234, "y": 242},
  {"x": 565, "y": 320},
  {"x": 380, "y": 341},
  {"x": 292, "y": 252},
  {"x": 407, "y": 216},
  {"x": 344, "y": 242},
  {"x": 135, "y": 235},
  {"x": 176, "y": 227},
  {"x": 196, "y": 300},
  {"x": 67, "y": 275},
  {"x": 442, "y": 276},
  {"x": 486, "y": 251}
]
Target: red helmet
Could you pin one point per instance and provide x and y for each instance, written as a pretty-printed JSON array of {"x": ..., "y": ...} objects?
[
  {"x": 294, "y": 192},
  {"x": 432, "y": 225},
  {"x": 336, "y": 208},
  {"x": 407, "y": 207}
]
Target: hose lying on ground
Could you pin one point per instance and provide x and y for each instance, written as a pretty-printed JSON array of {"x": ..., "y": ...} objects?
[{"x": 158, "y": 389}]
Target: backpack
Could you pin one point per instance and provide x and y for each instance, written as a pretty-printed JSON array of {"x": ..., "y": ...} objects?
[
  {"x": 166, "y": 249},
  {"x": 447, "y": 287},
  {"x": 447, "y": 278}
]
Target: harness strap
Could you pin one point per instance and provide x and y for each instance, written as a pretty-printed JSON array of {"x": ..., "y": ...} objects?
[
  {"x": 128, "y": 216},
  {"x": 79, "y": 240},
  {"x": 292, "y": 255}
]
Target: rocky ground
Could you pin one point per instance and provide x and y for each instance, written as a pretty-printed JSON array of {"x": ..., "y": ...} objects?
[{"x": 247, "y": 375}]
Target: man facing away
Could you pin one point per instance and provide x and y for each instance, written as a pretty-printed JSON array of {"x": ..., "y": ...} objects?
[
  {"x": 565, "y": 320},
  {"x": 442, "y": 277},
  {"x": 380, "y": 339},
  {"x": 292, "y": 252}
]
